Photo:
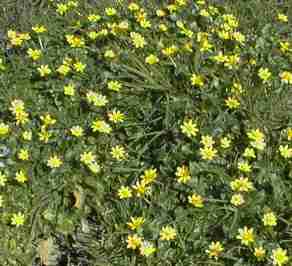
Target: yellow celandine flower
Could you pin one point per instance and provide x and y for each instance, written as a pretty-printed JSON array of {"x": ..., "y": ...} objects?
[
  {"x": 34, "y": 54},
  {"x": 237, "y": 200},
  {"x": 279, "y": 256},
  {"x": 269, "y": 219},
  {"x": 232, "y": 102},
  {"x": 241, "y": 184},
  {"x": 63, "y": 70},
  {"x": 149, "y": 176},
  {"x": 3, "y": 179},
  {"x": 118, "y": 152},
  {"x": 160, "y": 13},
  {"x": 94, "y": 167},
  {"x": 44, "y": 70},
  {"x": 134, "y": 241},
  {"x": 109, "y": 54},
  {"x": 285, "y": 151},
  {"x": 133, "y": 7},
  {"x": 44, "y": 135},
  {"x": 75, "y": 41},
  {"x": 246, "y": 235},
  {"x": 39, "y": 29},
  {"x": 116, "y": 116},
  {"x": 96, "y": 99},
  {"x": 257, "y": 139},
  {"x": 136, "y": 222},
  {"x": 4, "y": 129},
  {"x": 114, "y": 85},
  {"x": 69, "y": 89},
  {"x": 259, "y": 253},
  {"x": 169, "y": 51},
  {"x": 17, "y": 106},
  {"x": 47, "y": 120},
  {"x": 196, "y": 200},
  {"x": 110, "y": 11},
  {"x": 197, "y": 80},
  {"x": 225, "y": 143},
  {"x": 249, "y": 153},
  {"x": 183, "y": 174},
  {"x": 151, "y": 59},
  {"x": 94, "y": 18},
  {"x": 17, "y": 219},
  {"x": 208, "y": 153},
  {"x": 23, "y": 154},
  {"x": 204, "y": 13},
  {"x": 79, "y": 67},
  {"x": 21, "y": 177},
  {"x": 239, "y": 37},
  {"x": 87, "y": 158},
  {"x": 244, "y": 167},
  {"x": 54, "y": 162},
  {"x": 285, "y": 47},
  {"x": 21, "y": 118},
  {"x": 282, "y": 17},
  {"x": 77, "y": 131},
  {"x": 62, "y": 9},
  {"x": 264, "y": 74},
  {"x": 147, "y": 249},
  {"x": 138, "y": 40},
  {"x": 92, "y": 35},
  {"x": 286, "y": 77},
  {"x": 167, "y": 233},
  {"x": 27, "y": 135},
  {"x": 141, "y": 189},
  {"x": 215, "y": 249},
  {"x": 289, "y": 133},
  {"x": 207, "y": 141},
  {"x": 189, "y": 128},
  {"x": 101, "y": 126},
  {"x": 124, "y": 192}
]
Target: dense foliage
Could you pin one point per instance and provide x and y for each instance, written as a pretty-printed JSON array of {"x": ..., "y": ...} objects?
[{"x": 147, "y": 133}]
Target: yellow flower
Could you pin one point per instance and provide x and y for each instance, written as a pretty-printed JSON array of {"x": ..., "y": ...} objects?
[
  {"x": 116, "y": 116},
  {"x": 94, "y": 18},
  {"x": 136, "y": 222},
  {"x": 3, "y": 179},
  {"x": 281, "y": 17},
  {"x": 134, "y": 241},
  {"x": 197, "y": 80},
  {"x": 96, "y": 99},
  {"x": 249, "y": 153},
  {"x": 264, "y": 74},
  {"x": 48, "y": 120},
  {"x": 232, "y": 103},
  {"x": 77, "y": 131},
  {"x": 21, "y": 177},
  {"x": 138, "y": 40},
  {"x": 23, "y": 155},
  {"x": 4, "y": 129},
  {"x": 110, "y": 11},
  {"x": 259, "y": 253},
  {"x": 269, "y": 219},
  {"x": 39, "y": 29},
  {"x": 114, "y": 85},
  {"x": 285, "y": 151},
  {"x": 63, "y": 69},
  {"x": 87, "y": 158},
  {"x": 289, "y": 133},
  {"x": 237, "y": 200},
  {"x": 225, "y": 143},
  {"x": 109, "y": 54},
  {"x": 207, "y": 141},
  {"x": 79, "y": 67},
  {"x": 285, "y": 47},
  {"x": 149, "y": 176},
  {"x": 151, "y": 59},
  {"x": 241, "y": 184},
  {"x": 215, "y": 249},
  {"x": 124, "y": 192},
  {"x": 246, "y": 236},
  {"x": 286, "y": 77},
  {"x": 27, "y": 135},
  {"x": 34, "y": 54},
  {"x": 118, "y": 152},
  {"x": 101, "y": 126},
  {"x": 189, "y": 128},
  {"x": 69, "y": 89},
  {"x": 160, "y": 13},
  {"x": 75, "y": 41},
  {"x": 167, "y": 233},
  {"x": 94, "y": 167},
  {"x": 133, "y": 7},
  {"x": 141, "y": 189},
  {"x": 183, "y": 174},
  {"x": 208, "y": 153},
  {"x": 62, "y": 9},
  {"x": 17, "y": 219},
  {"x": 244, "y": 167},
  {"x": 54, "y": 162},
  {"x": 44, "y": 135},
  {"x": 147, "y": 249},
  {"x": 44, "y": 70},
  {"x": 279, "y": 256},
  {"x": 196, "y": 200}
]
